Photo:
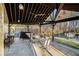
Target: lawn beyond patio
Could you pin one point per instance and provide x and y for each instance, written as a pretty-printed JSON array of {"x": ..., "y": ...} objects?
[{"x": 68, "y": 42}]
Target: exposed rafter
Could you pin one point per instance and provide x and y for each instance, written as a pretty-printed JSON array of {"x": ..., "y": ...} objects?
[
  {"x": 23, "y": 12},
  {"x": 11, "y": 11},
  {"x": 15, "y": 11},
  {"x": 26, "y": 12},
  {"x": 39, "y": 15},
  {"x": 42, "y": 11},
  {"x": 37, "y": 11},
  {"x": 30, "y": 12}
]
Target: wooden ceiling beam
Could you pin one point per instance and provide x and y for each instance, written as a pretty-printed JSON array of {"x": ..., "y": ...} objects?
[
  {"x": 11, "y": 12},
  {"x": 36, "y": 12},
  {"x": 19, "y": 14},
  {"x": 62, "y": 20},
  {"x": 40, "y": 12},
  {"x": 30, "y": 13},
  {"x": 33, "y": 12},
  {"x": 23, "y": 12},
  {"x": 48, "y": 11},
  {"x": 15, "y": 11},
  {"x": 41, "y": 18},
  {"x": 26, "y": 13}
]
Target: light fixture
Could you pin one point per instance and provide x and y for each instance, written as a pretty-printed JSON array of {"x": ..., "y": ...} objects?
[
  {"x": 21, "y": 7},
  {"x": 18, "y": 21}
]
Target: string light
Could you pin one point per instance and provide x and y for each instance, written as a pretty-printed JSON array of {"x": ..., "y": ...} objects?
[{"x": 21, "y": 7}]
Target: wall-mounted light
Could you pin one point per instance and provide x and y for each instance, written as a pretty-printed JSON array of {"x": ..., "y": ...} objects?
[{"x": 21, "y": 7}]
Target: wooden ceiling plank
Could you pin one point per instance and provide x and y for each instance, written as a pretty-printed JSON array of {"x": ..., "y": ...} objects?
[
  {"x": 31, "y": 15},
  {"x": 15, "y": 11},
  {"x": 11, "y": 11},
  {"x": 36, "y": 12},
  {"x": 30, "y": 12},
  {"x": 47, "y": 11},
  {"x": 42, "y": 10},
  {"x": 23, "y": 11},
  {"x": 33, "y": 12},
  {"x": 26, "y": 12},
  {"x": 19, "y": 15},
  {"x": 39, "y": 12}
]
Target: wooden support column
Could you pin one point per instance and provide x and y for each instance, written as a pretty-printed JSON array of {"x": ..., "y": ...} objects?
[
  {"x": 27, "y": 28},
  {"x": 53, "y": 32},
  {"x": 52, "y": 24}
]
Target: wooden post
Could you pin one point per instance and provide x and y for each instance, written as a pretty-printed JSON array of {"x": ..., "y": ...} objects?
[{"x": 52, "y": 32}]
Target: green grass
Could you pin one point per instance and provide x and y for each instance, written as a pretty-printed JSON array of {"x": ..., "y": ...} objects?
[{"x": 68, "y": 42}]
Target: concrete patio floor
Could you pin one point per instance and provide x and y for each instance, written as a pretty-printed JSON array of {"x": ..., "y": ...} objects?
[{"x": 20, "y": 48}]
